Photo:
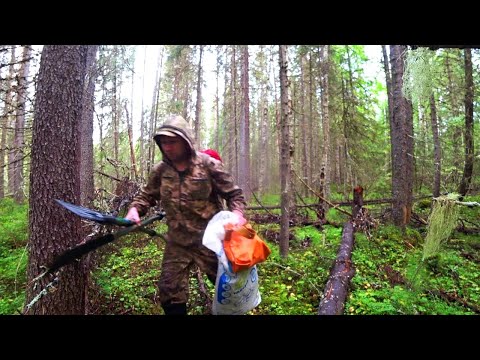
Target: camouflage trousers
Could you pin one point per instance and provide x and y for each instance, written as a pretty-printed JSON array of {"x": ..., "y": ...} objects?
[{"x": 176, "y": 265}]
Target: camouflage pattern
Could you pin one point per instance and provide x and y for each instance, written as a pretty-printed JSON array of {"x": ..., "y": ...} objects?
[
  {"x": 177, "y": 261},
  {"x": 189, "y": 204}
]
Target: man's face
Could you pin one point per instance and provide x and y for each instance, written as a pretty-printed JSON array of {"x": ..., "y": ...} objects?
[{"x": 174, "y": 147}]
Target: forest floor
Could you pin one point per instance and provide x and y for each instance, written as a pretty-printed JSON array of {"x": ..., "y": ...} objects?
[{"x": 390, "y": 276}]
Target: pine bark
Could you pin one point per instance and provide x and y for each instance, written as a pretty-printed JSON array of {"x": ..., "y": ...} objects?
[
  {"x": 55, "y": 173},
  {"x": 402, "y": 142}
]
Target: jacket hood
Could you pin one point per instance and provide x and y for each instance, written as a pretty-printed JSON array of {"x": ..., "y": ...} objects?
[{"x": 176, "y": 125}]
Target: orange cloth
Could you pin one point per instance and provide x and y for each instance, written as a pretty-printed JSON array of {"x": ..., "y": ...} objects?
[{"x": 243, "y": 247}]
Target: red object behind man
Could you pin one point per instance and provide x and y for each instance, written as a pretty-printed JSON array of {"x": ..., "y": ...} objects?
[{"x": 212, "y": 153}]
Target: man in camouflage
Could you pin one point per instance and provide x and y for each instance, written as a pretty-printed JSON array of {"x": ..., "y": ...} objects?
[{"x": 187, "y": 183}]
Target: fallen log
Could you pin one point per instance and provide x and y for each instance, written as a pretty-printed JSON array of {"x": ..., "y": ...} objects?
[
  {"x": 336, "y": 289},
  {"x": 466, "y": 230},
  {"x": 336, "y": 203},
  {"x": 454, "y": 298}
]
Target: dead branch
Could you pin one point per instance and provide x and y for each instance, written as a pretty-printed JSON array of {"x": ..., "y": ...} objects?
[
  {"x": 203, "y": 290},
  {"x": 467, "y": 203},
  {"x": 320, "y": 197},
  {"x": 255, "y": 196},
  {"x": 466, "y": 230},
  {"x": 109, "y": 176},
  {"x": 455, "y": 298}
]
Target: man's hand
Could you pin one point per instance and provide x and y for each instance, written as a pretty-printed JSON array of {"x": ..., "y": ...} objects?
[
  {"x": 133, "y": 215},
  {"x": 241, "y": 219}
]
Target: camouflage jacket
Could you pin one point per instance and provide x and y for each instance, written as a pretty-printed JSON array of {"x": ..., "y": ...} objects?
[{"x": 189, "y": 202}]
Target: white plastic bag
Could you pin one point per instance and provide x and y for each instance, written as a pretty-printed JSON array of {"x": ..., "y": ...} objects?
[{"x": 235, "y": 293}]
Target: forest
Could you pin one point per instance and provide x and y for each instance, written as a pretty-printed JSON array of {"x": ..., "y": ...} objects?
[{"x": 358, "y": 164}]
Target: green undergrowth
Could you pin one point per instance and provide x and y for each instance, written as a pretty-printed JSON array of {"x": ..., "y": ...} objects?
[
  {"x": 294, "y": 285},
  {"x": 390, "y": 276},
  {"x": 13, "y": 256},
  {"x": 127, "y": 275}
]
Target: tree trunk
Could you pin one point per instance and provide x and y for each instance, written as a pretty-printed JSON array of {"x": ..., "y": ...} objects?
[
  {"x": 263, "y": 114},
  {"x": 133, "y": 162},
  {"x": 87, "y": 186},
  {"x": 234, "y": 127},
  {"x": 244, "y": 151},
  {"x": 55, "y": 173},
  {"x": 469, "y": 145},
  {"x": 115, "y": 112},
  {"x": 185, "y": 99},
  {"x": 325, "y": 125},
  {"x": 7, "y": 110},
  {"x": 100, "y": 119},
  {"x": 263, "y": 147},
  {"x": 226, "y": 118},
  {"x": 437, "y": 158},
  {"x": 86, "y": 129},
  {"x": 304, "y": 122},
  {"x": 311, "y": 127},
  {"x": 402, "y": 142},
  {"x": 141, "y": 145},
  {"x": 277, "y": 115},
  {"x": 19, "y": 142},
  {"x": 336, "y": 289},
  {"x": 422, "y": 150},
  {"x": 357, "y": 200},
  {"x": 216, "y": 142},
  {"x": 388, "y": 81},
  {"x": 286, "y": 152},
  {"x": 338, "y": 157},
  {"x": 198, "y": 107},
  {"x": 154, "y": 113}
]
